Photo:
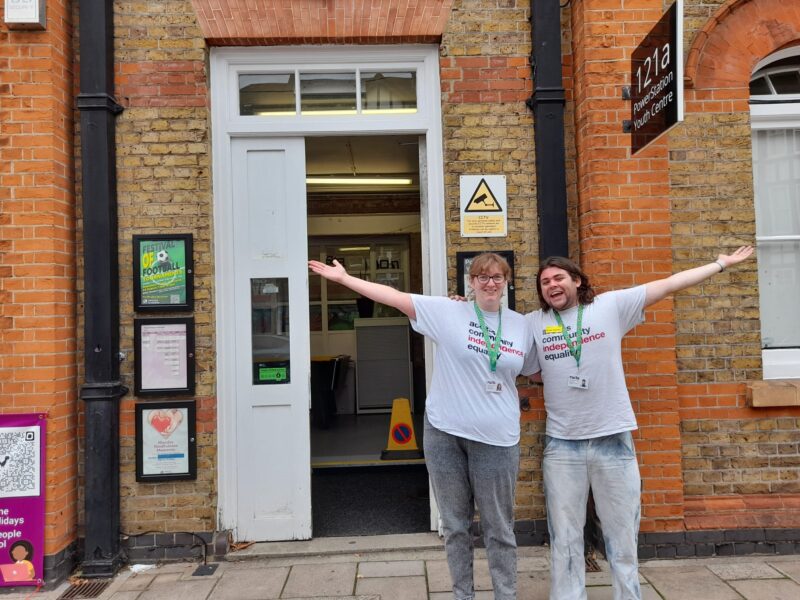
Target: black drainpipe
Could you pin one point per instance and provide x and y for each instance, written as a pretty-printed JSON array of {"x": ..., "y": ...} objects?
[
  {"x": 102, "y": 389},
  {"x": 547, "y": 104}
]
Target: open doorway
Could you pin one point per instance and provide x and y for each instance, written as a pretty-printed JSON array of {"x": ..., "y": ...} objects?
[{"x": 363, "y": 199}]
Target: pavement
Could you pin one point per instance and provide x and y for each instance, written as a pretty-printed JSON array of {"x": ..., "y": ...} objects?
[{"x": 413, "y": 567}]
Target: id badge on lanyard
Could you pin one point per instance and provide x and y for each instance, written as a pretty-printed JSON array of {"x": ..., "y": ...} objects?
[
  {"x": 574, "y": 381},
  {"x": 493, "y": 385}
]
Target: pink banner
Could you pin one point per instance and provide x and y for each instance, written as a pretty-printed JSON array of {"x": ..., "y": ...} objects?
[{"x": 22, "y": 485}]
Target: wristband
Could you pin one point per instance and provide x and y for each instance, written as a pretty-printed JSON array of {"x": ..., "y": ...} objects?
[{"x": 721, "y": 265}]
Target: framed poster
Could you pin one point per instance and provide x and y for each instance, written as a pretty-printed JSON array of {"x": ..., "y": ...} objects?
[
  {"x": 164, "y": 356},
  {"x": 463, "y": 262},
  {"x": 166, "y": 441},
  {"x": 163, "y": 272}
]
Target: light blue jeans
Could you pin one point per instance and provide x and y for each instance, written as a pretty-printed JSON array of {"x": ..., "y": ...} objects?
[
  {"x": 608, "y": 466},
  {"x": 464, "y": 473}
]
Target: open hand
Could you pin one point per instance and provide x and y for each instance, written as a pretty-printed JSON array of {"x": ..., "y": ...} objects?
[
  {"x": 334, "y": 272},
  {"x": 741, "y": 253}
]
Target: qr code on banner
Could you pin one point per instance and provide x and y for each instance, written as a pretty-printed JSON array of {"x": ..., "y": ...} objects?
[{"x": 19, "y": 461}]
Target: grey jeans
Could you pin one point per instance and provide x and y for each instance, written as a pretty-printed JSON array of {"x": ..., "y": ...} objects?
[{"x": 465, "y": 473}]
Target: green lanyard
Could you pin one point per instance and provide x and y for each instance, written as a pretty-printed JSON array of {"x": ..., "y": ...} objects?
[
  {"x": 493, "y": 349},
  {"x": 574, "y": 349}
]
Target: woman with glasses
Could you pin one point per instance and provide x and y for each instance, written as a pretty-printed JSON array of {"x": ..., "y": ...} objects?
[{"x": 471, "y": 434}]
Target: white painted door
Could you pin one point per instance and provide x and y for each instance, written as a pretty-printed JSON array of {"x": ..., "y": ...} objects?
[{"x": 273, "y": 473}]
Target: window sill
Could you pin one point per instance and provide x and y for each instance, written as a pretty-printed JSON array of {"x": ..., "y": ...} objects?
[{"x": 775, "y": 392}]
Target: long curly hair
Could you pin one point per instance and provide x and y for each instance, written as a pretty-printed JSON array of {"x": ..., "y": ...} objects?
[{"x": 585, "y": 292}]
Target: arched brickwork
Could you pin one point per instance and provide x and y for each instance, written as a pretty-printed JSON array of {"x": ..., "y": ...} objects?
[
  {"x": 742, "y": 32},
  {"x": 277, "y": 22}
]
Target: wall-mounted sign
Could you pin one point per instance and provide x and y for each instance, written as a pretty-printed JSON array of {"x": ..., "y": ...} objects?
[
  {"x": 483, "y": 205},
  {"x": 22, "y": 485},
  {"x": 164, "y": 356},
  {"x": 463, "y": 263},
  {"x": 657, "y": 79},
  {"x": 166, "y": 441},
  {"x": 25, "y": 14},
  {"x": 163, "y": 272}
]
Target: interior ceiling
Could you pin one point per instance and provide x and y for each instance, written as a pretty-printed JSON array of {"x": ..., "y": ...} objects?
[{"x": 365, "y": 156}]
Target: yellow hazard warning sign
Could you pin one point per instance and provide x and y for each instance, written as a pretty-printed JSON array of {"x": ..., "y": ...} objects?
[
  {"x": 483, "y": 205},
  {"x": 483, "y": 200}
]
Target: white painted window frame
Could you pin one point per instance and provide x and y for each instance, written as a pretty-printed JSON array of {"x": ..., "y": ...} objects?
[
  {"x": 778, "y": 363},
  {"x": 225, "y": 66}
]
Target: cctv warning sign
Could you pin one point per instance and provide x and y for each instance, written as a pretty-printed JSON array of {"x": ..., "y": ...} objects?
[{"x": 483, "y": 205}]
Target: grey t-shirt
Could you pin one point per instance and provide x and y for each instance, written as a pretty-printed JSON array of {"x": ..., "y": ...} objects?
[
  {"x": 458, "y": 402},
  {"x": 604, "y": 407}
]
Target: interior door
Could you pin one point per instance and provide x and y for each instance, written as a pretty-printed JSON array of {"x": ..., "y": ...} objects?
[{"x": 273, "y": 473}]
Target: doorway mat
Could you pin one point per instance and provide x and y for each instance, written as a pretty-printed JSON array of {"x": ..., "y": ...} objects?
[{"x": 370, "y": 500}]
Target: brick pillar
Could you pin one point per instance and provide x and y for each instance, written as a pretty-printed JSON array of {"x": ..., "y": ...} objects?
[
  {"x": 37, "y": 257},
  {"x": 625, "y": 240}
]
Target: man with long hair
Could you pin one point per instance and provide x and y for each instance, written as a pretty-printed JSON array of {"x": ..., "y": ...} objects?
[{"x": 588, "y": 443}]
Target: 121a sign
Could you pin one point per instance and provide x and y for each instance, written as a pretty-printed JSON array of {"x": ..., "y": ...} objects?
[{"x": 657, "y": 79}]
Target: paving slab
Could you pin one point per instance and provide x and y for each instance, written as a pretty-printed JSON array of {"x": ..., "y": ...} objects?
[
  {"x": 768, "y": 589},
  {"x": 160, "y": 578},
  {"x": 364, "y": 597},
  {"x": 532, "y": 563},
  {"x": 137, "y": 582},
  {"x": 251, "y": 584},
  {"x": 394, "y": 588},
  {"x": 750, "y": 570},
  {"x": 394, "y": 568},
  {"x": 189, "y": 574},
  {"x": 439, "y": 577},
  {"x": 606, "y": 592},
  {"x": 533, "y": 585},
  {"x": 129, "y": 595},
  {"x": 790, "y": 568},
  {"x": 688, "y": 583},
  {"x": 322, "y": 579},
  {"x": 196, "y": 590}
]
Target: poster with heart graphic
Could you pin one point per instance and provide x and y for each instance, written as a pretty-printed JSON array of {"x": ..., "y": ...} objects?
[{"x": 165, "y": 441}]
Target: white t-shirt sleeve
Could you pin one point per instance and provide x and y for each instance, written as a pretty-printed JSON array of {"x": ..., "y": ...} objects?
[
  {"x": 630, "y": 307},
  {"x": 429, "y": 310},
  {"x": 531, "y": 364}
]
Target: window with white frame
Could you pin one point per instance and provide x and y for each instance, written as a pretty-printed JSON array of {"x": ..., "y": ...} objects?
[{"x": 775, "y": 112}]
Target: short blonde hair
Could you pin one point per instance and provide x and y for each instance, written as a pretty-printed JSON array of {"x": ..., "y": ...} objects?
[{"x": 481, "y": 263}]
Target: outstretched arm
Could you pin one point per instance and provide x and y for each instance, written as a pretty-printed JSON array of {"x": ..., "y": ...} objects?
[
  {"x": 658, "y": 290},
  {"x": 377, "y": 291}
]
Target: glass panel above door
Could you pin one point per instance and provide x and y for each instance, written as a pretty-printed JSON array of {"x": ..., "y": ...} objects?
[
  {"x": 328, "y": 93},
  {"x": 385, "y": 93},
  {"x": 267, "y": 94}
]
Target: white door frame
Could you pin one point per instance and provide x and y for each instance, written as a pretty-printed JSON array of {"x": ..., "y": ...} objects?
[{"x": 227, "y": 124}]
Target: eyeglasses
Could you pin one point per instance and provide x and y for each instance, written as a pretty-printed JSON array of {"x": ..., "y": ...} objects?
[{"x": 486, "y": 278}]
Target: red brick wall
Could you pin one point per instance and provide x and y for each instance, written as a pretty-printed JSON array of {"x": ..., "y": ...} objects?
[
  {"x": 37, "y": 251},
  {"x": 272, "y": 22},
  {"x": 625, "y": 237}
]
